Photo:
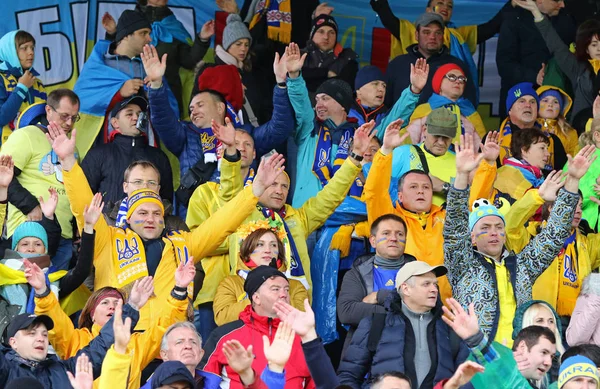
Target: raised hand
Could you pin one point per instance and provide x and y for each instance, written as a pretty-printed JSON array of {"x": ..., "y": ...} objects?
[
  {"x": 549, "y": 188},
  {"x": 278, "y": 352},
  {"x": 303, "y": 323},
  {"x": 579, "y": 165},
  {"x": 392, "y": 137},
  {"x": 224, "y": 133},
  {"x": 596, "y": 108},
  {"x": 467, "y": 159},
  {"x": 35, "y": 214},
  {"x": 27, "y": 79},
  {"x": 121, "y": 328},
  {"x": 63, "y": 146},
  {"x": 49, "y": 206},
  {"x": 92, "y": 212},
  {"x": 419, "y": 71},
  {"x": 131, "y": 87},
  {"x": 294, "y": 60},
  {"x": 464, "y": 374},
  {"x": 7, "y": 168},
  {"x": 109, "y": 24},
  {"x": 240, "y": 360},
  {"x": 154, "y": 66},
  {"x": 84, "y": 374},
  {"x": 229, "y": 6},
  {"x": 322, "y": 9},
  {"x": 268, "y": 171},
  {"x": 541, "y": 74},
  {"x": 185, "y": 273},
  {"x": 530, "y": 6},
  {"x": 491, "y": 148},
  {"x": 464, "y": 324},
  {"x": 141, "y": 292},
  {"x": 35, "y": 277},
  {"x": 362, "y": 137},
  {"x": 280, "y": 67},
  {"x": 208, "y": 30}
]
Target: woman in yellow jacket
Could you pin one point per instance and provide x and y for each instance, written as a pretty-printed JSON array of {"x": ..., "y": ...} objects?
[
  {"x": 262, "y": 245},
  {"x": 143, "y": 346},
  {"x": 555, "y": 104}
]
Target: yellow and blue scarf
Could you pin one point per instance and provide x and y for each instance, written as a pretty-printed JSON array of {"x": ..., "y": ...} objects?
[{"x": 279, "y": 19}]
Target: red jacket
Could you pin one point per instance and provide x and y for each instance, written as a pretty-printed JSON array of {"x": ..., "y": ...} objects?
[{"x": 249, "y": 331}]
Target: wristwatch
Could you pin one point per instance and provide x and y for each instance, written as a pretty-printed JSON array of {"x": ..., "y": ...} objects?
[
  {"x": 356, "y": 156},
  {"x": 445, "y": 188}
]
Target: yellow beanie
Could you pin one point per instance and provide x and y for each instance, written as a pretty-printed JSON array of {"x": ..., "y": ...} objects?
[{"x": 143, "y": 196}]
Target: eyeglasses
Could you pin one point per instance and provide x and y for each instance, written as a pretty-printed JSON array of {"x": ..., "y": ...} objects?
[
  {"x": 139, "y": 183},
  {"x": 454, "y": 78},
  {"x": 65, "y": 116}
]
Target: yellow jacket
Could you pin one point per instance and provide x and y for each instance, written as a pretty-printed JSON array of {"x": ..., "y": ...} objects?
[
  {"x": 569, "y": 137},
  {"x": 143, "y": 346},
  {"x": 115, "y": 370},
  {"x": 424, "y": 238},
  {"x": 301, "y": 221},
  {"x": 518, "y": 236},
  {"x": 231, "y": 299},
  {"x": 207, "y": 199},
  {"x": 109, "y": 242}
]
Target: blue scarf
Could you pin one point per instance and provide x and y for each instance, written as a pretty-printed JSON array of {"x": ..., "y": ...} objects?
[
  {"x": 531, "y": 173},
  {"x": 296, "y": 269},
  {"x": 168, "y": 29},
  {"x": 466, "y": 107},
  {"x": 322, "y": 161}
]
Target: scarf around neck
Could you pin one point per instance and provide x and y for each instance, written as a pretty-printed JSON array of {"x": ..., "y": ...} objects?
[
  {"x": 389, "y": 263},
  {"x": 531, "y": 173}
]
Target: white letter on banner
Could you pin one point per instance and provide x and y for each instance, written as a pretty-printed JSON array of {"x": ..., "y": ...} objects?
[
  {"x": 53, "y": 58},
  {"x": 79, "y": 15}
]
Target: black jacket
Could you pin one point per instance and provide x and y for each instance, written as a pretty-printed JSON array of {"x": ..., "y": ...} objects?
[
  {"x": 104, "y": 166},
  {"x": 398, "y": 74},
  {"x": 521, "y": 50},
  {"x": 356, "y": 285}
]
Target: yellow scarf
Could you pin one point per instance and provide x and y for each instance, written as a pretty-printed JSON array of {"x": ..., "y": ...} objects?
[
  {"x": 279, "y": 19},
  {"x": 595, "y": 64},
  {"x": 569, "y": 282}
]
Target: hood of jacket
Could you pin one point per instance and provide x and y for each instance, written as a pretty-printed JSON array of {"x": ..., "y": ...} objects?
[
  {"x": 9, "y": 59},
  {"x": 520, "y": 312},
  {"x": 567, "y": 100}
]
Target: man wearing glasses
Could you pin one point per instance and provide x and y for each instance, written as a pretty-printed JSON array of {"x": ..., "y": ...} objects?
[
  {"x": 38, "y": 169},
  {"x": 105, "y": 164}
]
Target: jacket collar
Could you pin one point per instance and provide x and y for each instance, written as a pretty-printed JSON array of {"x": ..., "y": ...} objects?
[{"x": 263, "y": 324}]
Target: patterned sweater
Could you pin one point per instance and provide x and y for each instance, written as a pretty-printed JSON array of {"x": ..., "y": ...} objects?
[{"x": 473, "y": 278}]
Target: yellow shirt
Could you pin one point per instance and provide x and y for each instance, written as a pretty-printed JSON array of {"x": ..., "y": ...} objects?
[
  {"x": 508, "y": 305},
  {"x": 40, "y": 170}
]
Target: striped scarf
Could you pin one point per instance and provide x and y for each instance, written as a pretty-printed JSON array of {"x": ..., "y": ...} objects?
[{"x": 279, "y": 19}]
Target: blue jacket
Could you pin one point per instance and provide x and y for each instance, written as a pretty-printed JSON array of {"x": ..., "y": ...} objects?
[
  {"x": 52, "y": 372},
  {"x": 396, "y": 349},
  {"x": 307, "y": 183},
  {"x": 183, "y": 140},
  {"x": 209, "y": 381}
]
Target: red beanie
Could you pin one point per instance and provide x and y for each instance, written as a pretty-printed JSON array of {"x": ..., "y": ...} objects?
[
  {"x": 226, "y": 80},
  {"x": 436, "y": 82}
]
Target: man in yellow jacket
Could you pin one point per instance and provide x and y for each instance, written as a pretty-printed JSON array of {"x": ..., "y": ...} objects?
[
  {"x": 144, "y": 247},
  {"x": 299, "y": 223}
]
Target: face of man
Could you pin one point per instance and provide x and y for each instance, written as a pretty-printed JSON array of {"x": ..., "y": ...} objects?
[
  {"x": 389, "y": 240},
  {"x": 371, "y": 95},
  {"x": 539, "y": 358},
  {"x": 430, "y": 38},
  {"x": 442, "y": 7},
  {"x": 126, "y": 119},
  {"x": 147, "y": 221},
  {"x": 580, "y": 383},
  {"x": 326, "y": 107},
  {"x": 453, "y": 90},
  {"x": 275, "y": 195},
  {"x": 141, "y": 178},
  {"x": 31, "y": 343},
  {"x": 550, "y": 7},
  {"x": 325, "y": 38},
  {"x": 245, "y": 145},
  {"x": 416, "y": 193},
  {"x": 135, "y": 42},
  {"x": 183, "y": 346},
  {"x": 436, "y": 144},
  {"x": 272, "y": 290},
  {"x": 204, "y": 108},
  {"x": 421, "y": 297},
  {"x": 66, "y": 114},
  {"x": 489, "y": 236},
  {"x": 524, "y": 111}
]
